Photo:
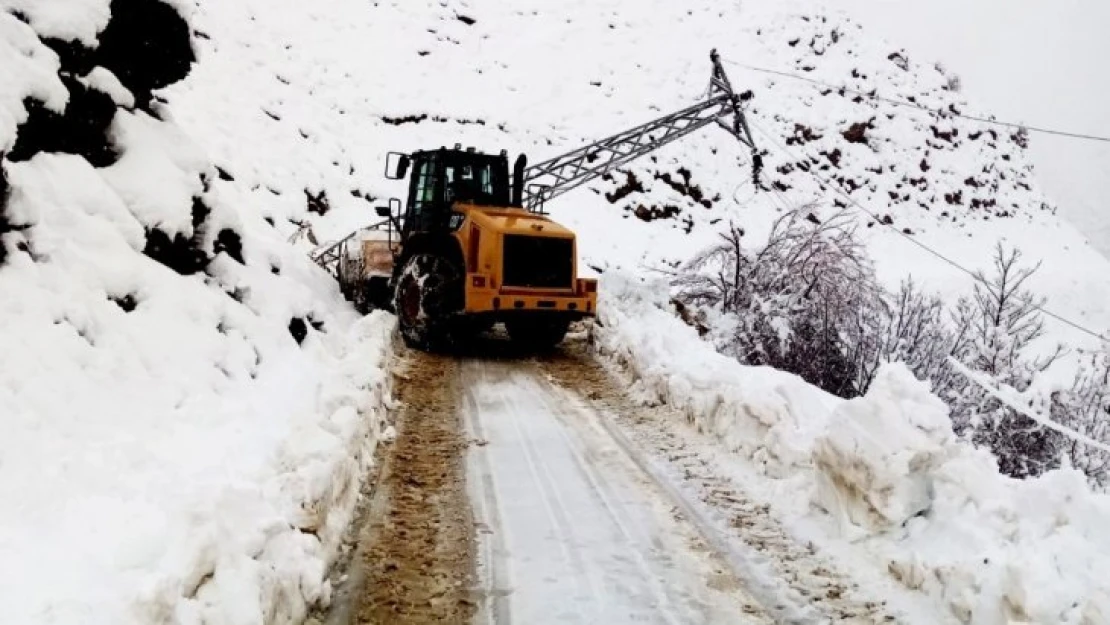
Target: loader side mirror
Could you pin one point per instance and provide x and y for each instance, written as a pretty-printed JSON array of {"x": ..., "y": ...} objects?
[
  {"x": 382, "y": 211},
  {"x": 396, "y": 165}
]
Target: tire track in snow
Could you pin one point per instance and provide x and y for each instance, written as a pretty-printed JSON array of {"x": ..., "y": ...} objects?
[
  {"x": 793, "y": 581},
  {"x": 614, "y": 509},
  {"x": 616, "y": 531},
  {"x": 557, "y": 522},
  {"x": 556, "y": 508},
  {"x": 497, "y": 577}
]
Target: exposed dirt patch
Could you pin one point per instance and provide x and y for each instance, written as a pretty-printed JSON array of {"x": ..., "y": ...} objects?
[
  {"x": 631, "y": 185},
  {"x": 417, "y": 547}
]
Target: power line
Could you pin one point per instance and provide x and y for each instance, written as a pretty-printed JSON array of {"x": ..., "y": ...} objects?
[
  {"x": 920, "y": 107},
  {"x": 825, "y": 183}
]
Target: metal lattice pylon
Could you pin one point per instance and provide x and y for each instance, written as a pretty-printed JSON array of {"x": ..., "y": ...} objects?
[{"x": 554, "y": 177}]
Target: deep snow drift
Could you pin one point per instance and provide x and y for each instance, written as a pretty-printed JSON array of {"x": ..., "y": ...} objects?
[
  {"x": 188, "y": 404},
  {"x": 885, "y": 472}
]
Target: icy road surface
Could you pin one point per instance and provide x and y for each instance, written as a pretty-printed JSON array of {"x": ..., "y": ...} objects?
[{"x": 570, "y": 530}]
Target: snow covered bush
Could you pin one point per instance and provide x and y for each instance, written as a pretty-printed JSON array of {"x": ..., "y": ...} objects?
[
  {"x": 908, "y": 326},
  {"x": 791, "y": 300},
  {"x": 995, "y": 334},
  {"x": 808, "y": 302},
  {"x": 1085, "y": 408}
]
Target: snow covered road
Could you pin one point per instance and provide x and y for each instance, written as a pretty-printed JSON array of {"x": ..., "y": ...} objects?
[
  {"x": 540, "y": 490},
  {"x": 570, "y": 529}
]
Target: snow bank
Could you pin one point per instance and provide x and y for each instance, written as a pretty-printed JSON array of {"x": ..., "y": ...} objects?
[
  {"x": 770, "y": 416},
  {"x": 875, "y": 457},
  {"x": 187, "y": 404},
  {"x": 887, "y": 470}
]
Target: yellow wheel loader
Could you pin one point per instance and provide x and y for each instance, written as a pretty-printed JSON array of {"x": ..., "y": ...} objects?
[{"x": 473, "y": 246}]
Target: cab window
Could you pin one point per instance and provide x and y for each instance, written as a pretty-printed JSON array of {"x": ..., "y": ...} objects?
[{"x": 425, "y": 186}]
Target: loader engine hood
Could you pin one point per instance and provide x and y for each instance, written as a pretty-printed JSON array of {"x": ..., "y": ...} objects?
[{"x": 514, "y": 221}]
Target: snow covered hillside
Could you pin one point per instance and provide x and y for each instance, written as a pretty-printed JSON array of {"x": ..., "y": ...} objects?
[
  {"x": 1034, "y": 62},
  {"x": 188, "y": 406},
  {"x": 188, "y": 403}
]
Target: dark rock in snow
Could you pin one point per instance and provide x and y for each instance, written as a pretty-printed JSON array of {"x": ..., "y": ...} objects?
[
  {"x": 128, "y": 302},
  {"x": 81, "y": 129},
  {"x": 298, "y": 329},
  {"x": 76, "y": 59},
  {"x": 631, "y": 185},
  {"x": 228, "y": 241},
  {"x": 181, "y": 254},
  {"x": 201, "y": 211},
  {"x": 147, "y": 45},
  {"x": 857, "y": 133},
  {"x": 317, "y": 202}
]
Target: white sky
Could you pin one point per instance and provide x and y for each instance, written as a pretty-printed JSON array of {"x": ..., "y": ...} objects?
[{"x": 1039, "y": 62}]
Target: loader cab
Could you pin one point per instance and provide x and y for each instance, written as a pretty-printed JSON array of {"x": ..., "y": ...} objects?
[{"x": 439, "y": 178}]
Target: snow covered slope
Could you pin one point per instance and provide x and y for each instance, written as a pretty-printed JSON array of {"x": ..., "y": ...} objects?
[
  {"x": 165, "y": 432},
  {"x": 1034, "y": 62},
  {"x": 187, "y": 404}
]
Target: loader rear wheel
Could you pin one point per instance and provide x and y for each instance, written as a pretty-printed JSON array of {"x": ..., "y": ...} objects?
[
  {"x": 537, "y": 333},
  {"x": 427, "y": 295}
]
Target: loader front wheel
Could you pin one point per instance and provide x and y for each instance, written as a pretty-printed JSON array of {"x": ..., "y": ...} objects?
[
  {"x": 537, "y": 333},
  {"x": 427, "y": 295}
]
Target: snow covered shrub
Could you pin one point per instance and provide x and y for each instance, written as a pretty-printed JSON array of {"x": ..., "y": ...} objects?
[
  {"x": 994, "y": 333},
  {"x": 808, "y": 303},
  {"x": 792, "y": 300},
  {"x": 907, "y": 326},
  {"x": 1085, "y": 408}
]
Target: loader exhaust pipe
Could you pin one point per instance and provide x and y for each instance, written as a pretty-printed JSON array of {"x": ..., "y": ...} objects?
[{"x": 518, "y": 180}]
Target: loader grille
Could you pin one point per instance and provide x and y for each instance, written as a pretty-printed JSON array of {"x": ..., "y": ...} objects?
[{"x": 538, "y": 262}]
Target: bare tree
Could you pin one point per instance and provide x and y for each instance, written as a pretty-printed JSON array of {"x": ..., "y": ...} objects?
[
  {"x": 908, "y": 326},
  {"x": 1001, "y": 322}
]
